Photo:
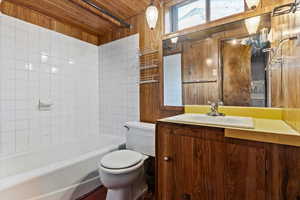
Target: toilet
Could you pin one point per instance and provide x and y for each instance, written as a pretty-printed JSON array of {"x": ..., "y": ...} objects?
[{"x": 122, "y": 171}]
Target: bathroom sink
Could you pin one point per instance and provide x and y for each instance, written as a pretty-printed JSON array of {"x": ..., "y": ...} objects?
[{"x": 228, "y": 121}]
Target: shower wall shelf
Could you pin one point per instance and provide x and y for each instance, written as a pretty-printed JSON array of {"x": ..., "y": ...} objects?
[{"x": 149, "y": 66}]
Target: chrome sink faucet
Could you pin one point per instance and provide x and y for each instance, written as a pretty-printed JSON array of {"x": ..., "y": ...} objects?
[{"x": 214, "y": 109}]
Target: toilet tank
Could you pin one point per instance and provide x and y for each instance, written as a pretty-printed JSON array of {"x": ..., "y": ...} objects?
[{"x": 140, "y": 137}]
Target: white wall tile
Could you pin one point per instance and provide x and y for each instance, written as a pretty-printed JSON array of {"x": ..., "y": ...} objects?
[
  {"x": 119, "y": 88},
  {"x": 38, "y": 64}
]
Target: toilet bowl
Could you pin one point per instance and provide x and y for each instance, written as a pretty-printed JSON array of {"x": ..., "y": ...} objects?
[
  {"x": 124, "y": 180},
  {"x": 122, "y": 171}
]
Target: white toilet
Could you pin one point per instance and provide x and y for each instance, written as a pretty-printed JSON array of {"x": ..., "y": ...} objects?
[{"x": 122, "y": 171}]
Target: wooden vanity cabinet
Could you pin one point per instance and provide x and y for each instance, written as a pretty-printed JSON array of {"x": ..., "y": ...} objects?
[{"x": 199, "y": 163}]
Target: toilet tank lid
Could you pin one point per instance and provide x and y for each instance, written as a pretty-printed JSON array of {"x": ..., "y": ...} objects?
[{"x": 141, "y": 125}]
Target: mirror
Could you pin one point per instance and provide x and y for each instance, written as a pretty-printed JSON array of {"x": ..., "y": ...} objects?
[{"x": 225, "y": 63}]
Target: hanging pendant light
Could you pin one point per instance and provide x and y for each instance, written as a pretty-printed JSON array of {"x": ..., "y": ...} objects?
[
  {"x": 152, "y": 15},
  {"x": 252, "y": 4},
  {"x": 252, "y": 24}
]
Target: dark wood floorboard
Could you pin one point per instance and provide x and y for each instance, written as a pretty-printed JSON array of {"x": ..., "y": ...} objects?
[{"x": 100, "y": 194}]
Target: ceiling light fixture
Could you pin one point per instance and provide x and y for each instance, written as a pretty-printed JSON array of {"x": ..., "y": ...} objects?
[
  {"x": 152, "y": 15},
  {"x": 252, "y": 24},
  {"x": 252, "y": 4}
]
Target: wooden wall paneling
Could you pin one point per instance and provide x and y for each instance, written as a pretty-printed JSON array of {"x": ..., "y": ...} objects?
[
  {"x": 272, "y": 3},
  {"x": 45, "y": 21},
  {"x": 285, "y": 77},
  {"x": 200, "y": 72},
  {"x": 149, "y": 102},
  {"x": 200, "y": 93}
]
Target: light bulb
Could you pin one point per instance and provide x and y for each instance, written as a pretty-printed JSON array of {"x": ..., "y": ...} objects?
[
  {"x": 152, "y": 16},
  {"x": 174, "y": 40},
  {"x": 209, "y": 61},
  {"x": 234, "y": 42},
  {"x": 252, "y": 24},
  {"x": 252, "y": 4}
]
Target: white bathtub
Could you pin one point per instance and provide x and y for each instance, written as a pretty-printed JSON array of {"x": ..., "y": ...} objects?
[{"x": 63, "y": 172}]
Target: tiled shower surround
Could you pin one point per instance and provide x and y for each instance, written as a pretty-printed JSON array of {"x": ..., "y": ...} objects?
[
  {"x": 38, "y": 64},
  {"x": 41, "y": 65},
  {"x": 119, "y": 84}
]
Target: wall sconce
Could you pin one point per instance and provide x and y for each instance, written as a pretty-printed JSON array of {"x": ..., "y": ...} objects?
[
  {"x": 252, "y": 24},
  {"x": 252, "y": 4},
  {"x": 152, "y": 15}
]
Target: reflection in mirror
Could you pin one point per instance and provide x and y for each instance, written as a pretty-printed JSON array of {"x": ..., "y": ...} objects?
[
  {"x": 172, "y": 80},
  {"x": 244, "y": 76},
  {"x": 225, "y": 63}
]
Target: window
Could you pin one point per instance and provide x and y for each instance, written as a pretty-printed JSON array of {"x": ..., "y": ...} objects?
[
  {"x": 191, "y": 14},
  {"x": 223, "y": 8},
  {"x": 194, "y": 12}
]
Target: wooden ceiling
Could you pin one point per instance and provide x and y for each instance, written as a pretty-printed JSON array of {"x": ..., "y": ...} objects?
[{"x": 82, "y": 15}]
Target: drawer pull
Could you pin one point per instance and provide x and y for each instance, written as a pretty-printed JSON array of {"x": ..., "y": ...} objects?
[
  {"x": 166, "y": 158},
  {"x": 185, "y": 197}
]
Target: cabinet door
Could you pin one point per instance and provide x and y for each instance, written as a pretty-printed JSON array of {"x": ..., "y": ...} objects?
[
  {"x": 189, "y": 167},
  {"x": 164, "y": 169},
  {"x": 198, "y": 168},
  {"x": 245, "y": 171},
  {"x": 284, "y": 172}
]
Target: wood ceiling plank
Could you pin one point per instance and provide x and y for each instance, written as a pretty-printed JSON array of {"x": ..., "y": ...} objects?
[
  {"x": 123, "y": 8},
  {"x": 65, "y": 11},
  {"x": 95, "y": 11},
  {"x": 79, "y": 14}
]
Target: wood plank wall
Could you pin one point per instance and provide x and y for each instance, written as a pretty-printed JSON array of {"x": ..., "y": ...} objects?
[
  {"x": 45, "y": 21},
  {"x": 287, "y": 78}
]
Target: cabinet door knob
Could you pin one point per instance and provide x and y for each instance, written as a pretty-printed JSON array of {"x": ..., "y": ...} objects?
[
  {"x": 186, "y": 196},
  {"x": 166, "y": 158}
]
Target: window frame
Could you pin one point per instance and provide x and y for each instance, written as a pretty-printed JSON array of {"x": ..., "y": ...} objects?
[{"x": 174, "y": 13}]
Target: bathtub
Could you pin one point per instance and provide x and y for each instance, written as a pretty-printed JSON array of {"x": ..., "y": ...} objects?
[{"x": 61, "y": 172}]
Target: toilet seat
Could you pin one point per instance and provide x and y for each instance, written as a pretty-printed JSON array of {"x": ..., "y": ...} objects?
[{"x": 121, "y": 162}]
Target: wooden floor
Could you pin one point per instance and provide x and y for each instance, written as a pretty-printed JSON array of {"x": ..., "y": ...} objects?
[{"x": 100, "y": 194}]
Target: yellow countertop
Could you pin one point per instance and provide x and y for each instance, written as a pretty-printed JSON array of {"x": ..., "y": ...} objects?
[
  {"x": 268, "y": 128},
  {"x": 260, "y": 125}
]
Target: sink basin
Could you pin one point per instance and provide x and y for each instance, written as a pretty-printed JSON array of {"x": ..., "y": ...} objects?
[{"x": 228, "y": 121}]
